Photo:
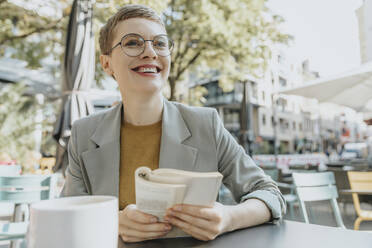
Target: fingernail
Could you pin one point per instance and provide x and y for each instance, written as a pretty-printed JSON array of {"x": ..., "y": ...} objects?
[
  {"x": 153, "y": 220},
  {"x": 177, "y": 208},
  {"x": 166, "y": 218},
  {"x": 167, "y": 227}
]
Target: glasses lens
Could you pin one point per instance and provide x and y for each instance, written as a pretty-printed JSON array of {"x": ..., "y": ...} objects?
[
  {"x": 132, "y": 45},
  {"x": 162, "y": 45}
]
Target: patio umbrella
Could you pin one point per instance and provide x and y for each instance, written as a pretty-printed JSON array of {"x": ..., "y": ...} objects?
[
  {"x": 351, "y": 89},
  {"x": 78, "y": 75}
]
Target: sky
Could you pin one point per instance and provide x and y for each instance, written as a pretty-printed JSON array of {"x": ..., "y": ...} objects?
[{"x": 325, "y": 31}]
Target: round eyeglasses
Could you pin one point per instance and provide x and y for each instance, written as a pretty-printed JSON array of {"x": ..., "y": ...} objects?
[{"x": 133, "y": 45}]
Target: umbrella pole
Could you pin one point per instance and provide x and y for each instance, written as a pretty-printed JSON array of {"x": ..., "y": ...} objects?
[
  {"x": 275, "y": 125},
  {"x": 246, "y": 129}
]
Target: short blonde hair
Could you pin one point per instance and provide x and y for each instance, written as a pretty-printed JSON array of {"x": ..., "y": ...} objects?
[{"x": 127, "y": 12}]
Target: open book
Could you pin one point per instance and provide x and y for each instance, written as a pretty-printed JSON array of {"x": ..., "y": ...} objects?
[{"x": 160, "y": 189}]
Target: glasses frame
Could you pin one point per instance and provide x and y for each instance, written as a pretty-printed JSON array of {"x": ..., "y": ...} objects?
[{"x": 144, "y": 47}]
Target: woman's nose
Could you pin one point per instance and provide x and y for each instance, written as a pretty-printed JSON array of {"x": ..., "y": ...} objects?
[{"x": 149, "y": 51}]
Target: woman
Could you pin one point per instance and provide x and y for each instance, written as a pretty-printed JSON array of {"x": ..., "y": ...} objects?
[{"x": 145, "y": 129}]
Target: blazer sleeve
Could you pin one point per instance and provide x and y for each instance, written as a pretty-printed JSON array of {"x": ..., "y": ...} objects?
[
  {"x": 242, "y": 176},
  {"x": 74, "y": 181}
]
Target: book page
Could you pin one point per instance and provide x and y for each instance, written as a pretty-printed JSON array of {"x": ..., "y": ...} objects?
[
  {"x": 158, "y": 190},
  {"x": 155, "y": 198}
]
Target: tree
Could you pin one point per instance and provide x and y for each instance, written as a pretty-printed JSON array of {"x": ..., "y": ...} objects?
[
  {"x": 232, "y": 38},
  {"x": 18, "y": 122},
  {"x": 32, "y": 36}
]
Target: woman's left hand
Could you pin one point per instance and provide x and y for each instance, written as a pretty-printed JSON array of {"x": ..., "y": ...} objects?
[{"x": 203, "y": 223}]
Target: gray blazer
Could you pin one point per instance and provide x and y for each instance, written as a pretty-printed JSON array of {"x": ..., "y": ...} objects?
[{"x": 193, "y": 139}]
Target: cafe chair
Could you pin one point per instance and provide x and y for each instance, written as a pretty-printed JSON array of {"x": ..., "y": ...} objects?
[
  {"x": 360, "y": 181},
  {"x": 7, "y": 209},
  {"x": 10, "y": 170},
  {"x": 22, "y": 190},
  {"x": 291, "y": 197},
  {"x": 317, "y": 187}
]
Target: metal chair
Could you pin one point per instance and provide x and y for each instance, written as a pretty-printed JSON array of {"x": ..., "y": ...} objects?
[
  {"x": 22, "y": 190},
  {"x": 10, "y": 170},
  {"x": 360, "y": 181},
  {"x": 7, "y": 209},
  {"x": 317, "y": 187}
]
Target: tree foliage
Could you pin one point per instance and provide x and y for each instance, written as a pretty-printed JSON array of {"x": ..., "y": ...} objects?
[
  {"x": 233, "y": 38},
  {"x": 18, "y": 122}
]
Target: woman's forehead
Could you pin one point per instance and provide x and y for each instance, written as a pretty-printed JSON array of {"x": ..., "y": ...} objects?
[{"x": 144, "y": 27}]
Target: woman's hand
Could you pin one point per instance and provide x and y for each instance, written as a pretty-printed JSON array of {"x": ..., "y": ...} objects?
[
  {"x": 135, "y": 226},
  {"x": 202, "y": 223}
]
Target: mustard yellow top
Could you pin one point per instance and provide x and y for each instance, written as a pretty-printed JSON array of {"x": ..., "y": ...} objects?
[{"x": 139, "y": 146}]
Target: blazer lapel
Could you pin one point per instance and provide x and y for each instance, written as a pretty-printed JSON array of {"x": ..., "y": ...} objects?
[
  {"x": 173, "y": 153},
  {"x": 102, "y": 163}
]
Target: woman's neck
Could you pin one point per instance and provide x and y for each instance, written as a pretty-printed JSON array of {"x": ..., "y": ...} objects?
[{"x": 143, "y": 111}]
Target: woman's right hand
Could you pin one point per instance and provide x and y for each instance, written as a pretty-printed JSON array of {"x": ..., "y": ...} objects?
[{"x": 135, "y": 226}]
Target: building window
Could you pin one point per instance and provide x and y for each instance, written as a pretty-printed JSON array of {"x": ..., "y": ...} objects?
[
  {"x": 300, "y": 126},
  {"x": 282, "y": 81},
  {"x": 263, "y": 95},
  {"x": 254, "y": 91},
  {"x": 264, "y": 120},
  {"x": 294, "y": 125}
]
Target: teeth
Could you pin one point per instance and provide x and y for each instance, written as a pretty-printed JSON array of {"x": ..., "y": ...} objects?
[{"x": 147, "y": 69}]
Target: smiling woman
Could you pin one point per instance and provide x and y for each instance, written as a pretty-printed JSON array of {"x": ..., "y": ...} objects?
[
  {"x": 147, "y": 130},
  {"x": 144, "y": 48}
]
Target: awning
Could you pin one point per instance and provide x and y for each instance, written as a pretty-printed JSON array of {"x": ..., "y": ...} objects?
[{"x": 351, "y": 89}]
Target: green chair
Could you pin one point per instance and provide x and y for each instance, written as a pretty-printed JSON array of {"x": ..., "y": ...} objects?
[
  {"x": 23, "y": 190},
  {"x": 7, "y": 209},
  {"x": 10, "y": 170},
  {"x": 317, "y": 187}
]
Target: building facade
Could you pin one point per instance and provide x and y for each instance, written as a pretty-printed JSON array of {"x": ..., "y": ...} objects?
[
  {"x": 297, "y": 124},
  {"x": 365, "y": 30}
]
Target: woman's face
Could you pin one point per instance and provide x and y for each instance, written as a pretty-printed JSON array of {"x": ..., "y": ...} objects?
[{"x": 145, "y": 73}]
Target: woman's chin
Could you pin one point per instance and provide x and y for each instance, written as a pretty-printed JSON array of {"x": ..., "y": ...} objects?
[{"x": 149, "y": 88}]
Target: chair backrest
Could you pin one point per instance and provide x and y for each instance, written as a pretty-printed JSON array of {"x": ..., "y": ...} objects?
[
  {"x": 273, "y": 173},
  {"x": 26, "y": 188},
  {"x": 359, "y": 181},
  {"x": 317, "y": 187},
  {"x": 10, "y": 170}
]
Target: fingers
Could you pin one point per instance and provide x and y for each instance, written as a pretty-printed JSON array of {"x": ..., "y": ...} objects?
[
  {"x": 194, "y": 231},
  {"x": 127, "y": 238},
  {"x": 200, "y": 222},
  {"x": 196, "y": 221},
  {"x": 132, "y": 213},
  {"x": 135, "y": 226},
  {"x": 197, "y": 211},
  {"x": 156, "y": 227},
  {"x": 125, "y": 231}
]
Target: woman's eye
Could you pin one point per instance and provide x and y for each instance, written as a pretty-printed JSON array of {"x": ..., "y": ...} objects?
[
  {"x": 161, "y": 44},
  {"x": 133, "y": 43}
]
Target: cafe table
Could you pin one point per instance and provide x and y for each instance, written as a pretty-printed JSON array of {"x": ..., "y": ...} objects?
[
  {"x": 358, "y": 191},
  {"x": 287, "y": 234}
]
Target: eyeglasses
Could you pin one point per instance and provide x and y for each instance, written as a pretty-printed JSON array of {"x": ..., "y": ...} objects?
[{"x": 133, "y": 45}]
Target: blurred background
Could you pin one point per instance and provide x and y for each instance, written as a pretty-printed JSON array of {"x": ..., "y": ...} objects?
[
  {"x": 251, "y": 60},
  {"x": 291, "y": 80}
]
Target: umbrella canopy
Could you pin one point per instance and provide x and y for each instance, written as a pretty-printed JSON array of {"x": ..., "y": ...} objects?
[
  {"x": 352, "y": 89},
  {"x": 78, "y": 75}
]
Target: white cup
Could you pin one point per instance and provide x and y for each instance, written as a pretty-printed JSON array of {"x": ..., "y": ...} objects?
[{"x": 74, "y": 222}]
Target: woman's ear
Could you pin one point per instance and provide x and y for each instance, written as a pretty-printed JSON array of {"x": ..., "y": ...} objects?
[{"x": 105, "y": 63}]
